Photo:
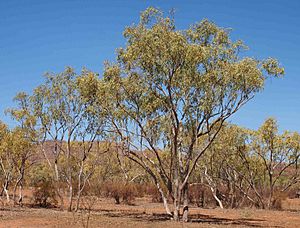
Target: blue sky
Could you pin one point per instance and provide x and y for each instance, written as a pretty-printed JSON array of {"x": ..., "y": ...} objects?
[{"x": 37, "y": 36}]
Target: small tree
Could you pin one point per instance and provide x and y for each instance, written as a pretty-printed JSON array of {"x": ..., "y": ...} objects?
[
  {"x": 18, "y": 147},
  {"x": 254, "y": 164},
  {"x": 6, "y": 162},
  {"x": 230, "y": 169},
  {"x": 69, "y": 122},
  {"x": 24, "y": 138}
]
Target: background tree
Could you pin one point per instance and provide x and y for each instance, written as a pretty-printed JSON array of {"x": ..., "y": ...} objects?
[
  {"x": 7, "y": 166},
  {"x": 279, "y": 155},
  {"x": 68, "y": 122},
  {"x": 24, "y": 139},
  {"x": 229, "y": 167},
  {"x": 257, "y": 166}
]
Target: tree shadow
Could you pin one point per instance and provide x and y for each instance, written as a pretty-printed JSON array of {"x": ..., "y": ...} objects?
[
  {"x": 139, "y": 216},
  {"x": 195, "y": 218},
  {"x": 12, "y": 209},
  {"x": 200, "y": 218}
]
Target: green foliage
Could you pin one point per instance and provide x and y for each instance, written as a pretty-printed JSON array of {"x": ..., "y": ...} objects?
[
  {"x": 262, "y": 164},
  {"x": 171, "y": 91},
  {"x": 163, "y": 104}
]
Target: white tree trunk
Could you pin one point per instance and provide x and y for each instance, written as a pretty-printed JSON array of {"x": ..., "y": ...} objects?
[
  {"x": 216, "y": 197},
  {"x": 165, "y": 202},
  {"x": 7, "y": 194},
  {"x": 185, "y": 214}
]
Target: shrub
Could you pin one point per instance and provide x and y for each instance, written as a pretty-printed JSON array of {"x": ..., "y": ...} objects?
[
  {"x": 128, "y": 193},
  {"x": 141, "y": 189},
  {"x": 44, "y": 194},
  {"x": 278, "y": 199},
  {"x": 154, "y": 193},
  {"x": 198, "y": 195},
  {"x": 120, "y": 192}
]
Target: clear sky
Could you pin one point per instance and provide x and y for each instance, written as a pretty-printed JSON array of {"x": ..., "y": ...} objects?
[{"x": 37, "y": 36}]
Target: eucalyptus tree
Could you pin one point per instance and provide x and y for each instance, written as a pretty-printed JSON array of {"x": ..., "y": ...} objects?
[
  {"x": 6, "y": 162},
  {"x": 92, "y": 129},
  {"x": 222, "y": 168},
  {"x": 17, "y": 149},
  {"x": 279, "y": 156},
  {"x": 24, "y": 139},
  {"x": 232, "y": 169},
  {"x": 170, "y": 89},
  {"x": 67, "y": 122}
]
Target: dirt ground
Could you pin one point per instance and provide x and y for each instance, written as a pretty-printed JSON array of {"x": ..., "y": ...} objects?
[{"x": 146, "y": 214}]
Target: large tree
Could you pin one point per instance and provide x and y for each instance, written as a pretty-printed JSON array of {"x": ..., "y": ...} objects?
[{"x": 171, "y": 90}]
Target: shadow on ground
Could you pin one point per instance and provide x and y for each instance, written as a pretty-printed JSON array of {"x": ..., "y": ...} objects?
[{"x": 199, "y": 218}]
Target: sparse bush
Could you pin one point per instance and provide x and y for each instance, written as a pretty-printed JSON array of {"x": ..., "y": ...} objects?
[
  {"x": 294, "y": 192},
  {"x": 120, "y": 192},
  {"x": 110, "y": 189},
  {"x": 154, "y": 193},
  {"x": 84, "y": 214},
  {"x": 44, "y": 194},
  {"x": 197, "y": 195},
  {"x": 128, "y": 193},
  {"x": 141, "y": 189},
  {"x": 278, "y": 199}
]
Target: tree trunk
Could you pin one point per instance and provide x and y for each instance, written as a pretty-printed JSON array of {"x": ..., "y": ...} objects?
[
  {"x": 271, "y": 190},
  {"x": 1, "y": 193},
  {"x": 214, "y": 192},
  {"x": 79, "y": 190},
  {"x": 185, "y": 215},
  {"x": 177, "y": 199},
  {"x": 78, "y": 200},
  {"x": 69, "y": 172},
  {"x": 70, "y": 197},
  {"x": 15, "y": 189},
  {"x": 176, "y": 213},
  {"x": 213, "y": 188},
  {"x": 57, "y": 186},
  {"x": 164, "y": 200},
  {"x": 232, "y": 194},
  {"x": 79, "y": 196},
  {"x": 5, "y": 189},
  {"x": 20, "y": 201}
]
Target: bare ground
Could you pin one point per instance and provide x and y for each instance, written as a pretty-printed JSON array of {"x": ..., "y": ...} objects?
[{"x": 145, "y": 214}]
